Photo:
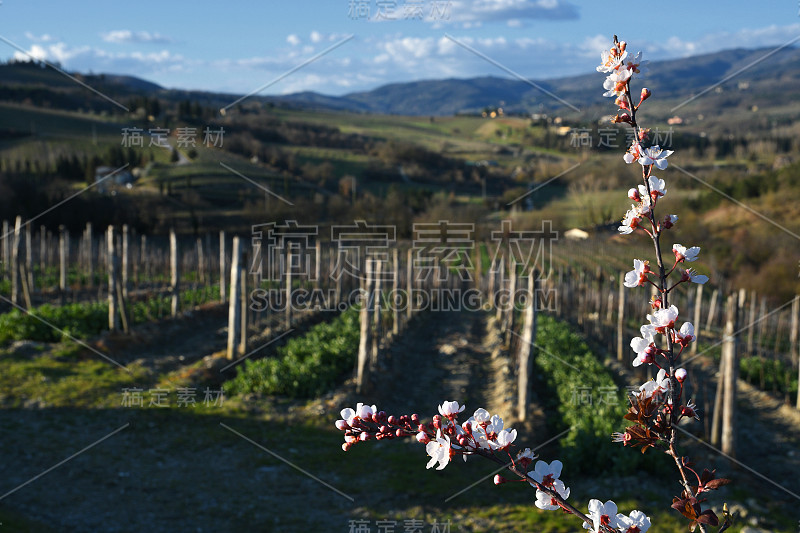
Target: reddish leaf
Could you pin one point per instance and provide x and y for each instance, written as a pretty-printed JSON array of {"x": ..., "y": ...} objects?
[
  {"x": 708, "y": 517},
  {"x": 717, "y": 483}
]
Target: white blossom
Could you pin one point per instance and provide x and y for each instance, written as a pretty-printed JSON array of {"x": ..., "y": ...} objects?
[
  {"x": 546, "y": 502},
  {"x": 602, "y": 514},
  {"x": 638, "y": 276},
  {"x": 655, "y": 156},
  {"x": 685, "y": 254},
  {"x": 635, "y": 522},
  {"x": 439, "y": 451}
]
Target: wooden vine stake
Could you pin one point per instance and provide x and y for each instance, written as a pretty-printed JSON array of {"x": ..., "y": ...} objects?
[
  {"x": 364, "y": 343},
  {"x": 525, "y": 347},
  {"x": 234, "y": 309}
]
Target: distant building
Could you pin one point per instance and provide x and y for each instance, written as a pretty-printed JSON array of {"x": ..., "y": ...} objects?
[
  {"x": 576, "y": 234},
  {"x": 123, "y": 178}
]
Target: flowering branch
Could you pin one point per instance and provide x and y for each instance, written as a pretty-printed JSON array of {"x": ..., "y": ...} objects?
[
  {"x": 654, "y": 416},
  {"x": 483, "y": 435},
  {"x": 654, "y": 411}
]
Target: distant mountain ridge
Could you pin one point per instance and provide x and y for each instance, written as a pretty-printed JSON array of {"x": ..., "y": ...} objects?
[
  {"x": 771, "y": 77},
  {"x": 675, "y": 78}
]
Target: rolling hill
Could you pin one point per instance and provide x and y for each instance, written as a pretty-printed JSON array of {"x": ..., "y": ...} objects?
[{"x": 737, "y": 77}]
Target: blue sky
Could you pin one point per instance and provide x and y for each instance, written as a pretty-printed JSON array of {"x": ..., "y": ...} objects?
[{"x": 238, "y": 46}]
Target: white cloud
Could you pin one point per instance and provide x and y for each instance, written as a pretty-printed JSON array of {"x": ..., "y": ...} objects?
[
  {"x": 44, "y": 38},
  {"x": 511, "y": 10},
  {"x": 128, "y": 36},
  {"x": 372, "y": 60},
  {"x": 677, "y": 47},
  {"x": 89, "y": 59}
]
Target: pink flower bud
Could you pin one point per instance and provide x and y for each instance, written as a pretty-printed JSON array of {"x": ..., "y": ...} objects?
[
  {"x": 342, "y": 425},
  {"x": 400, "y": 433},
  {"x": 364, "y": 436},
  {"x": 384, "y": 429},
  {"x": 680, "y": 375},
  {"x": 644, "y": 95},
  {"x": 437, "y": 422},
  {"x": 624, "y": 117},
  {"x": 634, "y": 195},
  {"x": 423, "y": 437},
  {"x": 648, "y": 357},
  {"x": 415, "y": 418},
  {"x": 346, "y": 446},
  {"x": 499, "y": 480}
]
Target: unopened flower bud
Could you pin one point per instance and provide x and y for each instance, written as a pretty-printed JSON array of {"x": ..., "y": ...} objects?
[
  {"x": 400, "y": 433},
  {"x": 649, "y": 354},
  {"x": 437, "y": 421},
  {"x": 341, "y": 425},
  {"x": 499, "y": 480},
  {"x": 423, "y": 437},
  {"x": 624, "y": 117},
  {"x": 680, "y": 375},
  {"x": 415, "y": 418},
  {"x": 392, "y": 420},
  {"x": 364, "y": 436},
  {"x": 346, "y": 446},
  {"x": 644, "y": 95},
  {"x": 633, "y": 194},
  {"x": 384, "y": 429}
]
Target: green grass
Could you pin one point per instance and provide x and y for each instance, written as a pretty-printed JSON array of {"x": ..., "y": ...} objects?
[
  {"x": 70, "y": 376},
  {"x": 84, "y": 320}
]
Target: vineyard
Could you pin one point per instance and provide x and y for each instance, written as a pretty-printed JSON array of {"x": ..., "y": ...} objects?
[{"x": 217, "y": 387}]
